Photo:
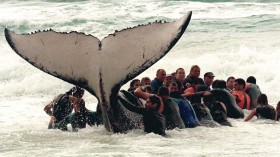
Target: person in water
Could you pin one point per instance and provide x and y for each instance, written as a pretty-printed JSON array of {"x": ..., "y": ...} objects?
[
  {"x": 201, "y": 110},
  {"x": 217, "y": 109},
  {"x": 145, "y": 81},
  {"x": 78, "y": 119},
  {"x": 135, "y": 83},
  {"x": 171, "y": 110},
  {"x": 230, "y": 83},
  {"x": 263, "y": 110},
  {"x": 168, "y": 79},
  {"x": 208, "y": 79},
  {"x": 153, "y": 120},
  {"x": 193, "y": 75},
  {"x": 193, "y": 87},
  {"x": 242, "y": 99},
  {"x": 252, "y": 90},
  {"x": 179, "y": 78},
  {"x": 62, "y": 105},
  {"x": 159, "y": 80}
]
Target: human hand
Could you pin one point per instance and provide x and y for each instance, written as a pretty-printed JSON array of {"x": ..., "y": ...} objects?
[
  {"x": 206, "y": 93},
  {"x": 52, "y": 120}
]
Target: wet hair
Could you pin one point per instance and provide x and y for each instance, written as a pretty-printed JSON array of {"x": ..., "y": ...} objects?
[
  {"x": 251, "y": 79},
  {"x": 155, "y": 100},
  {"x": 262, "y": 100},
  {"x": 229, "y": 78},
  {"x": 163, "y": 91},
  {"x": 220, "y": 84},
  {"x": 179, "y": 84},
  {"x": 240, "y": 81},
  {"x": 193, "y": 67},
  {"x": 178, "y": 70},
  {"x": 145, "y": 79},
  {"x": 77, "y": 91},
  {"x": 133, "y": 81},
  {"x": 214, "y": 84},
  {"x": 159, "y": 70}
]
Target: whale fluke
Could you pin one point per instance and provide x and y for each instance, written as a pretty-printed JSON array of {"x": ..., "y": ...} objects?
[{"x": 101, "y": 67}]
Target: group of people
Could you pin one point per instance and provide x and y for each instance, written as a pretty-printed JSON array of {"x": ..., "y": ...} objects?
[
  {"x": 170, "y": 101},
  {"x": 60, "y": 109},
  {"x": 179, "y": 94}
]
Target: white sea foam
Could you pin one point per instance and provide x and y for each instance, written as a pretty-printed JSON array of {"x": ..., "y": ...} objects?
[{"x": 227, "y": 38}]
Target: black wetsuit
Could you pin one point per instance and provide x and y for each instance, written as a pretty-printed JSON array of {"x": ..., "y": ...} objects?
[
  {"x": 152, "y": 119},
  {"x": 267, "y": 112},
  {"x": 62, "y": 107}
]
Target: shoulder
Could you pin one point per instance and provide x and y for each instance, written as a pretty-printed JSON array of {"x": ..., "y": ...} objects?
[{"x": 155, "y": 81}]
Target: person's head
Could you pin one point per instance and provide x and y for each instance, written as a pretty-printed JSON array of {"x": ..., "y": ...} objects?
[
  {"x": 195, "y": 71},
  {"x": 220, "y": 84},
  {"x": 173, "y": 87},
  {"x": 239, "y": 84},
  {"x": 180, "y": 74},
  {"x": 76, "y": 92},
  {"x": 161, "y": 74},
  {"x": 196, "y": 82},
  {"x": 180, "y": 85},
  {"x": 145, "y": 81},
  {"x": 230, "y": 82},
  {"x": 251, "y": 79},
  {"x": 163, "y": 92},
  {"x": 209, "y": 78},
  {"x": 168, "y": 80},
  {"x": 153, "y": 102},
  {"x": 135, "y": 83},
  {"x": 214, "y": 84},
  {"x": 262, "y": 100}
]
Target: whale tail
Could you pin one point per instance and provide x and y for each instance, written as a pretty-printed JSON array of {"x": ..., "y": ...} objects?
[{"x": 100, "y": 67}]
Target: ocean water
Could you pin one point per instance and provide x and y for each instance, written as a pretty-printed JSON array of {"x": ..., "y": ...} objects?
[{"x": 230, "y": 38}]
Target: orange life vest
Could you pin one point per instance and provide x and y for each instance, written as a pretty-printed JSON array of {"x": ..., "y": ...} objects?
[{"x": 243, "y": 104}]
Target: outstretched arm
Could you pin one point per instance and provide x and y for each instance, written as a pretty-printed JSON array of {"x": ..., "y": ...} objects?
[
  {"x": 139, "y": 93},
  {"x": 48, "y": 108},
  {"x": 251, "y": 115},
  {"x": 161, "y": 108}
]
